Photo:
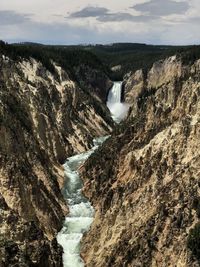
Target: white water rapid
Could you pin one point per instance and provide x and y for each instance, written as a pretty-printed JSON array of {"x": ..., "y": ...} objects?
[
  {"x": 80, "y": 210},
  {"x": 116, "y": 107}
]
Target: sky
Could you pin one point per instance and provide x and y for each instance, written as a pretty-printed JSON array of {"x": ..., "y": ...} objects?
[{"x": 173, "y": 22}]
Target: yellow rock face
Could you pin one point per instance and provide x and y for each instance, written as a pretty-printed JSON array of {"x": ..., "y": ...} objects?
[
  {"x": 145, "y": 178},
  {"x": 44, "y": 118}
]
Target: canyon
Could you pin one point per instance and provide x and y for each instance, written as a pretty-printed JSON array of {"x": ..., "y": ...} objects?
[
  {"x": 81, "y": 212},
  {"x": 45, "y": 117},
  {"x": 142, "y": 181}
]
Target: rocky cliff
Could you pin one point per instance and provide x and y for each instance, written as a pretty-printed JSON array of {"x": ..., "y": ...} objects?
[
  {"x": 144, "y": 180},
  {"x": 44, "y": 118}
]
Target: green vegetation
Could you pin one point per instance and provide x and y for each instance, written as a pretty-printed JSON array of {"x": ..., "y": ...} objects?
[
  {"x": 69, "y": 59},
  {"x": 129, "y": 56},
  {"x": 191, "y": 54},
  {"x": 193, "y": 241},
  {"x": 132, "y": 57}
]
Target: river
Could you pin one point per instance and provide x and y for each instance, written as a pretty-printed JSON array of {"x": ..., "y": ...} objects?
[{"x": 81, "y": 212}]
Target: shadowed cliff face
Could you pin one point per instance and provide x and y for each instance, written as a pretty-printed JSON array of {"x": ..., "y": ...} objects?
[
  {"x": 95, "y": 81},
  {"x": 44, "y": 118},
  {"x": 144, "y": 180}
]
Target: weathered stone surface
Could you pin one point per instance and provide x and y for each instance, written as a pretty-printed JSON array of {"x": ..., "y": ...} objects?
[
  {"x": 144, "y": 179},
  {"x": 44, "y": 118},
  {"x": 94, "y": 80}
]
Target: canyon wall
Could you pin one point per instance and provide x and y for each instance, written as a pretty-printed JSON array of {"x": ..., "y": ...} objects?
[
  {"x": 44, "y": 118},
  {"x": 144, "y": 180}
]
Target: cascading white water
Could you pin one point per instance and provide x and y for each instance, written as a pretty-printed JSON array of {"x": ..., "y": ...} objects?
[
  {"x": 114, "y": 95},
  {"x": 80, "y": 210},
  {"x": 116, "y": 107}
]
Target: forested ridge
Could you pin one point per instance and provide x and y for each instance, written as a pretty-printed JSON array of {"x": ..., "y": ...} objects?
[
  {"x": 130, "y": 56},
  {"x": 68, "y": 59}
]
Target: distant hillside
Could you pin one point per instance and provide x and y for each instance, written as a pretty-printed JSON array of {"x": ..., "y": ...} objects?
[
  {"x": 69, "y": 59},
  {"x": 126, "y": 56},
  {"x": 132, "y": 57}
]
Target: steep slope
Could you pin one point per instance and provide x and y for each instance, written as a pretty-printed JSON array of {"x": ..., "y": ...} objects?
[
  {"x": 144, "y": 180},
  {"x": 44, "y": 118}
]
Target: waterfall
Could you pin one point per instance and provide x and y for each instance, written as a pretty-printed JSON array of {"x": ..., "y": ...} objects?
[
  {"x": 117, "y": 109},
  {"x": 80, "y": 210},
  {"x": 114, "y": 95}
]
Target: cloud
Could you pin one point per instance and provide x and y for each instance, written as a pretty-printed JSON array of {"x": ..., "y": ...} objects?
[
  {"x": 66, "y": 33},
  {"x": 9, "y": 17},
  {"x": 89, "y": 12},
  {"x": 111, "y": 22},
  {"x": 112, "y": 17},
  {"x": 193, "y": 20},
  {"x": 162, "y": 7},
  {"x": 105, "y": 15}
]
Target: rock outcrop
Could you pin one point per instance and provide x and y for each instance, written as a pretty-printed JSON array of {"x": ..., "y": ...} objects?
[
  {"x": 144, "y": 180},
  {"x": 44, "y": 118},
  {"x": 95, "y": 81}
]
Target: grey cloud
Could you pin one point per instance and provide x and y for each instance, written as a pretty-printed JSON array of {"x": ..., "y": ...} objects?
[
  {"x": 193, "y": 20},
  {"x": 58, "y": 33},
  {"x": 20, "y": 27},
  {"x": 162, "y": 7},
  {"x": 124, "y": 17},
  {"x": 64, "y": 33},
  {"x": 185, "y": 20},
  {"x": 89, "y": 12},
  {"x": 49, "y": 33},
  {"x": 8, "y": 17},
  {"x": 104, "y": 15}
]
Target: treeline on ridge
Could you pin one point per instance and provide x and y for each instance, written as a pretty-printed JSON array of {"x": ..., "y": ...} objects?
[
  {"x": 68, "y": 59},
  {"x": 129, "y": 56}
]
